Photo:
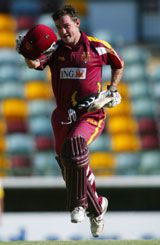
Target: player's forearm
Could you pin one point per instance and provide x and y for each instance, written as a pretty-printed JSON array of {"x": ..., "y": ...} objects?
[
  {"x": 116, "y": 76},
  {"x": 33, "y": 64}
]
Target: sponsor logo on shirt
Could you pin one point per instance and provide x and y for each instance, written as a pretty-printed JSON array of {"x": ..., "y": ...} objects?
[
  {"x": 105, "y": 50},
  {"x": 101, "y": 50},
  {"x": 73, "y": 73}
]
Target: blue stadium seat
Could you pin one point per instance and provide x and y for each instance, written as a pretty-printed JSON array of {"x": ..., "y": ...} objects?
[
  {"x": 127, "y": 163},
  {"x": 32, "y": 75},
  {"x": 143, "y": 106},
  {"x": 156, "y": 74},
  {"x": 139, "y": 88},
  {"x": 135, "y": 72},
  {"x": 156, "y": 90},
  {"x": 102, "y": 143},
  {"x": 40, "y": 107},
  {"x": 44, "y": 163},
  {"x": 150, "y": 163},
  {"x": 9, "y": 73},
  {"x": 40, "y": 125},
  {"x": 19, "y": 144},
  {"x": 134, "y": 55},
  {"x": 11, "y": 90},
  {"x": 9, "y": 57}
]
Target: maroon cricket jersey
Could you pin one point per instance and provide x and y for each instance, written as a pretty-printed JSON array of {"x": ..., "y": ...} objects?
[{"x": 77, "y": 72}]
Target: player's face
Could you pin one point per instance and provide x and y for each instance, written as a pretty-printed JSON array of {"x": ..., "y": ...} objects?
[{"x": 68, "y": 30}]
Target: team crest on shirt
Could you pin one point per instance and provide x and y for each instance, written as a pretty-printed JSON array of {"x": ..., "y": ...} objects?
[
  {"x": 85, "y": 56},
  {"x": 73, "y": 73}
]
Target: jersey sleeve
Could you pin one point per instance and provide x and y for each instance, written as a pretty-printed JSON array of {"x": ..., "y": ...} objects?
[
  {"x": 114, "y": 59},
  {"x": 107, "y": 54}
]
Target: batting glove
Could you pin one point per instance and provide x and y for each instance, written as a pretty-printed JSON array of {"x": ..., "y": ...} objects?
[
  {"x": 116, "y": 96},
  {"x": 89, "y": 101},
  {"x": 95, "y": 102}
]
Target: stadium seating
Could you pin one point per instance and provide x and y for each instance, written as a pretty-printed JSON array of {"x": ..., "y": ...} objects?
[
  {"x": 10, "y": 90},
  {"x": 121, "y": 124},
  {"x": 25, "y": 7},
  {"x": 7, "y": 39},
  {"x": 102, "y": 143},
  {"x": 7, "y": 23},
  {"x": 32, "y": 75},
  {"x": 139, "y": 88},
  {"x": 4, "y": 165},
  {"x": 44, "y": 143},
  {"x": 125, "y": 108},
  {"x": 16, "y": 125},
  {"x": 44, "y": 163},
  {"x": 2, "y": 144},
  {"x": 20, "y": 143},
  {"x": 147, "y": 125},
  {"x": 124, "y": 142},
  {"x": 150, "y": 141},
  {"x": 40, "y": 107},
  {"x": 143, "y": 106},
  {"x": 102, "y": 163},
  {"x": 40, "y": 125},
  {"x": 135, "y": 72},
  {"x": 2, "y": 126},
  {"x": 135, "y": 54},
  {"x": 46, "y": 20},
  {"x": 150, "y": 163},
  {"x": 156, "y": 90},
  {"x": 9, "y": 73},
  {"x": 25, "y": 22},
  {"x": 9, "y": 56},
  {"x": 21, "y": 165},
  {"x": 14, "y": 108},
  {"x": 37, "y": 90},
  {"x": 127, "y": 163}
]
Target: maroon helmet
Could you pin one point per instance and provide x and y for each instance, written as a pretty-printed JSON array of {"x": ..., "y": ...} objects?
[{"x": 36, "y": 41}]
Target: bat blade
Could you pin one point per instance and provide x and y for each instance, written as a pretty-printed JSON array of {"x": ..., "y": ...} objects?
[{"x": 99, "y": 103}]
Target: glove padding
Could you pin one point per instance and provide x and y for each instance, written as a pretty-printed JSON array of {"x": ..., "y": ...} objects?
[
  {"x": 116, "y": 96},
  {"x": 108, "y": 98},
  {"x": 95, "y": 102},
  {"x": 87, "y": 102}
]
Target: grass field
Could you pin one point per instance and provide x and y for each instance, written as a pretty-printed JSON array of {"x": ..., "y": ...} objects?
[{"x": 87, "y": 242}]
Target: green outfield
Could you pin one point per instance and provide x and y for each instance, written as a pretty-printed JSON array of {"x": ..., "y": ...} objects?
[{"x": 87, "y": 242}]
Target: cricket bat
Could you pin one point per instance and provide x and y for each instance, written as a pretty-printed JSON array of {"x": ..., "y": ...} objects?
[{"x": 100, "y": 102}]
